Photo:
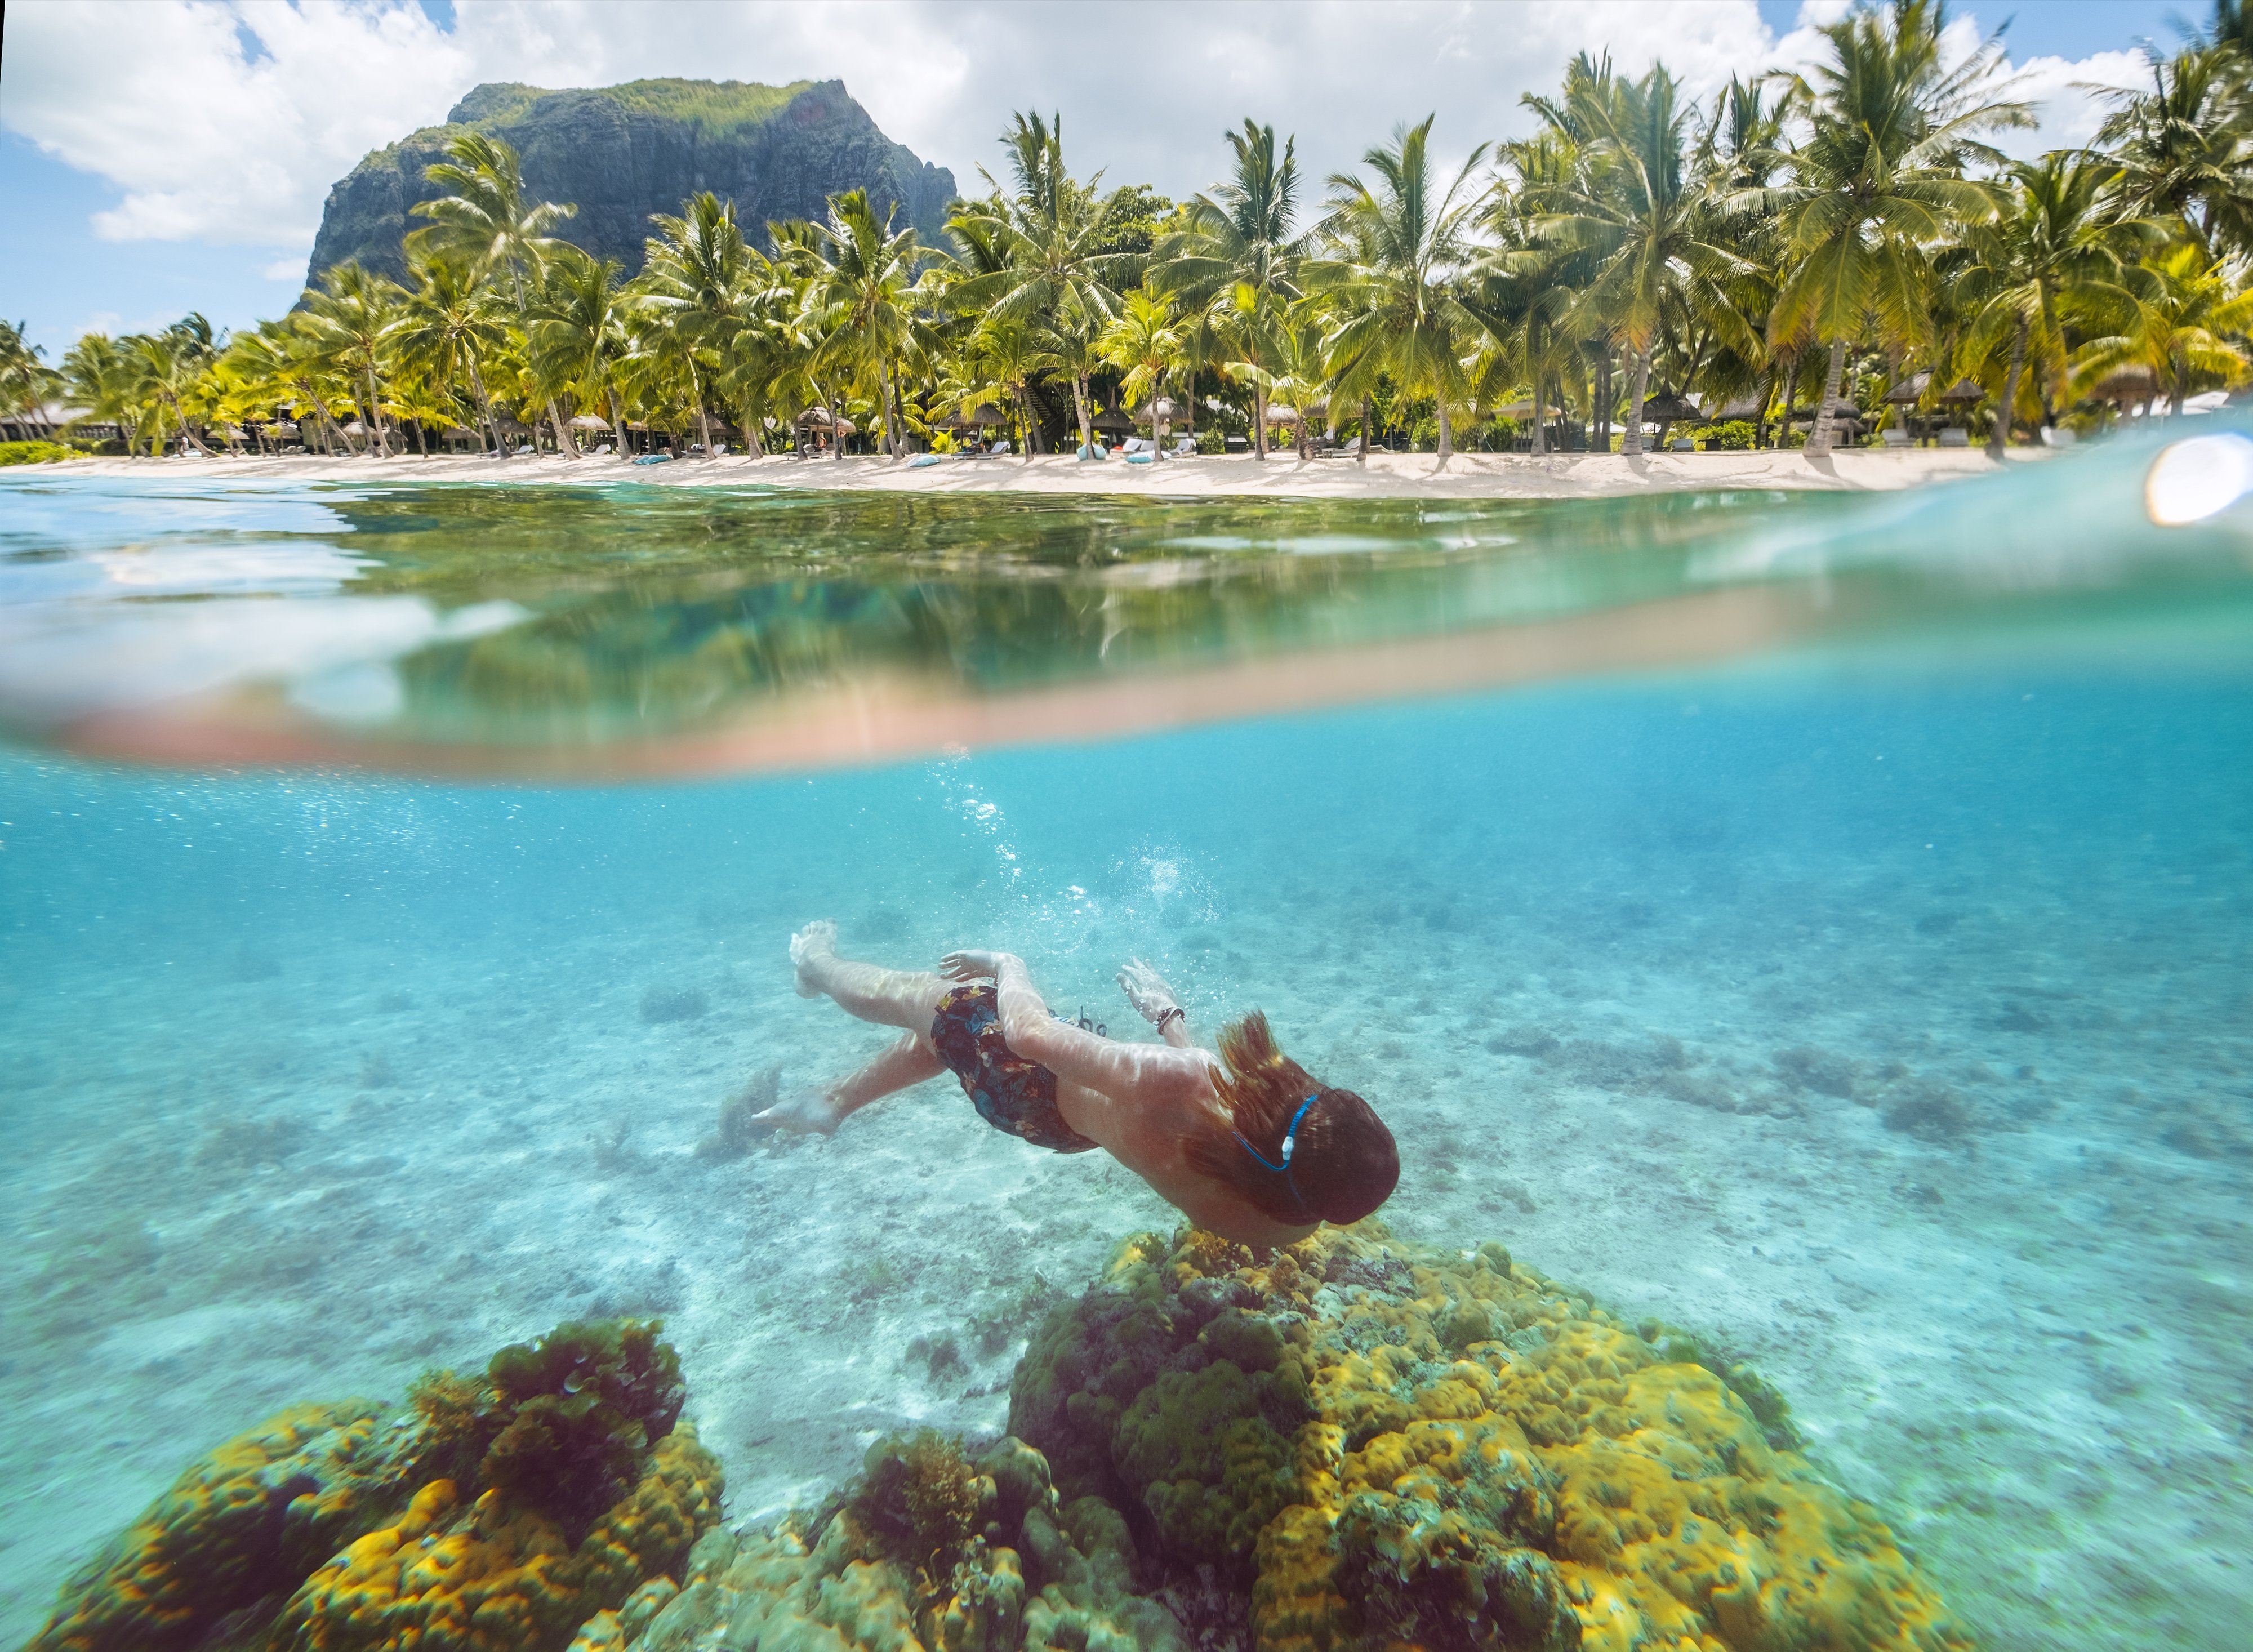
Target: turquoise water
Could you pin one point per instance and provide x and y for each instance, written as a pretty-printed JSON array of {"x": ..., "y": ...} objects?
[{"x": 1823, "y": 922}]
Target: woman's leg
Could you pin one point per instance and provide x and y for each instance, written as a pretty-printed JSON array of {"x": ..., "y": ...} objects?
[
  {"x": 908, "y": 1062},
  {"x": 888, "y": 997}
]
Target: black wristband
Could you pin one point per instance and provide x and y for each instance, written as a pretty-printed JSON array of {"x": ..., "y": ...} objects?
[{"x": 1174, "y": 1010}]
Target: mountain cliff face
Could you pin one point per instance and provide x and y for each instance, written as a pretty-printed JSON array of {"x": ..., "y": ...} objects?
[{"x": 623, "y": 152}]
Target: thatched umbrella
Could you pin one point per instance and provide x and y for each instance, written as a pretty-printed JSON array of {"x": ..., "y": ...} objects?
[
  {"x": 591, "y": 421},
  {"x": 987, "y": 413},
  {"x": 1964, "y": 392},
  {"x": 1116, "y": 424},
  {"x": 1909, "y": 392},
  {"x": 1667, "y": 408}
]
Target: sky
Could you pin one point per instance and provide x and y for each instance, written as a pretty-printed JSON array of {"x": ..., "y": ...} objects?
[{"x": 173, "y": 155}]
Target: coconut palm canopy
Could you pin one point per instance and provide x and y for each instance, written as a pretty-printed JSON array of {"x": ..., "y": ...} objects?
[{"x": 1848, "y": 238}]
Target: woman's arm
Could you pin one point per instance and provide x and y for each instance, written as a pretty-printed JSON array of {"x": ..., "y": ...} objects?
[{"x": 1125, "y": 1071}]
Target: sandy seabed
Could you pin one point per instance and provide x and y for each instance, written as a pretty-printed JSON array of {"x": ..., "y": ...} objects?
[{"x": 1480, "y": 476}]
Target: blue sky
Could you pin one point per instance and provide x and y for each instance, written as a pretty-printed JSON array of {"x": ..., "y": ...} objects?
[{"x": 191, "y": 244}]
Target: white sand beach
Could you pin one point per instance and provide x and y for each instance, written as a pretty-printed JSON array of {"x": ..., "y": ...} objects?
[{"x": 1479, "y": 476}]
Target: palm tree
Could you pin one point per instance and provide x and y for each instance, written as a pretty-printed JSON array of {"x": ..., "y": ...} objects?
[
  {"x": 693, "y": 283},
  {"x": 1400, "y": 247},
  {"x": 168, "y": 369},
  {"x": 1878, "y": 182},
  {"x": 447, "y": 328},
  {"x": 2182, "y": 146},
  {"x": 1145, "y": 345},
  {"x": 99, "y": 378},
  {"x": 1047, "y": 239},
  {"x": 487, "y": 224},
  {"x": 862, "y": 285},
  {"x": 2177, "y": 316},
  {"x": 27, "y": 381},
  {"x": 346, "y": 323},
  {"x": 2053, "y": 250},
  {"x": 1238, "y": 249},
  {"x": 1644, "y": 223},
  {"x": 578, "y": 330}
]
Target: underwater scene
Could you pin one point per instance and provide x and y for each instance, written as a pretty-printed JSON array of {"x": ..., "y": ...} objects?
[{"x": 1803, "y": 948}]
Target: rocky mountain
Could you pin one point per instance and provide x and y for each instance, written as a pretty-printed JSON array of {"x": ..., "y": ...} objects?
[{"x": 623, "y": 152}]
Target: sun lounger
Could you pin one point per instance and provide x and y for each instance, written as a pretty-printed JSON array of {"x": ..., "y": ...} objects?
[
  {"x": 1893, "y": 438},
  {"x": 1954, "y": 436},
  {"x": 1185, "y": 448}
]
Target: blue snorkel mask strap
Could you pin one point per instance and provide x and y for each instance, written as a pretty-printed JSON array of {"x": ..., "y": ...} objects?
[{"x": 1282, "y": 1167}]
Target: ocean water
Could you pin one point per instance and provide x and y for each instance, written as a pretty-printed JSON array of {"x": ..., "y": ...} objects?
[{"x": 1824, "y": 923}]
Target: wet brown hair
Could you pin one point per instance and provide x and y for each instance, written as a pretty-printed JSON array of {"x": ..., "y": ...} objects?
[{"x": 1343, "y": 1163}]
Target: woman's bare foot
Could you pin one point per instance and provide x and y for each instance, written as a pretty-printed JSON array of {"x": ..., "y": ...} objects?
[
  {"x": 810, "y": 1112},
  {"x": 810, "y": 948}
]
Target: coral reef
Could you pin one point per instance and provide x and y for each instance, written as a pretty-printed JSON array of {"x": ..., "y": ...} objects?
[
  {"x": 930, "y": 1549},
  {"x": 245, "y": 1522},
  {"x": 493, "y": 1515},
  {"x": 1414, "y": 1447}
]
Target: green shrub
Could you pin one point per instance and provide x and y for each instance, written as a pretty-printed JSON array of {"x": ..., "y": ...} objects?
[
  {"x": 34, "y": 452},
  {"x": 1737, "y": 433}
]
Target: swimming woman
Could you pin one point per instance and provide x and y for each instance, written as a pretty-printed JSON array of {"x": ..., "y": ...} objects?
[{"x": 1244, "y": 1144}]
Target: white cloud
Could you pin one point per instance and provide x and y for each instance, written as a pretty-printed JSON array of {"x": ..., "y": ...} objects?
[
  {"x": 227, "y": 121},
  {"x": 2069, "y": 110}
]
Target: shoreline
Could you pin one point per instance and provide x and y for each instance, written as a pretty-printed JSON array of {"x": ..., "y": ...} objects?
[{"x": 1464, "y": 476}]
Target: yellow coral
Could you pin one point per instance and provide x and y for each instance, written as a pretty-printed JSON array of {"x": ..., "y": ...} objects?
[
  {"x": 496, "y": 1577},
  {"x": 248, "y": 1519},
  {"x": 1493, "y": 1455}
]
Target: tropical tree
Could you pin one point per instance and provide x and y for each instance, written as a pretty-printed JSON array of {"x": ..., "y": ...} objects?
[
  {"x": 1048, "y": 239},
  {"x": 2053, "y": 251},
  {"x": 693, "y": 285},
  {"x": 1652, "y": 241},
  {"x": 166, "y": 370},
  {"x": 27, "y": 381},
  {"x": 1235, "y": 261},
  {"x": 1878, "y": 182},
  {"x": 99, "y": 380},
  {"x": 2182, "y": 146},
  {"x": 346, "y": 323},
  {"x": 2180, "y": 316},
  {"x": 578, "y": 332},
  {"x": 489, "y": 225},
  {"x": 1397, "y": 248},
  {"x": 446, "y": 329},
  {"x": 862, "y": 286},
  {"x": 1145, "y": 345}
]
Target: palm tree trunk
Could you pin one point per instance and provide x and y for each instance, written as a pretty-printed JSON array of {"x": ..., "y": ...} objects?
[
  {"x": 181, "y": 415},
  {"x": 1079, "y": 407},
  {"x": 1025, "y": 414},
  {"x": 2178, "y": 394},
  {"x": 1362, "y": 458},
  {"x": 1539, "y": 445},
  {"x": 1260, "y": 420},
  {"x": 376, "y": 444},
  {"x": 751, "y": 432},
  {"x": 1604, "y": 401},
  {"x": 2001, "y": 435},
  {"x": 485, "y": 405},
  {"x": 1767, "y": 395},
  {"x": 1819, "y": 443},
  {"x": 617, "y": 421},
  {"x": 565, "y": 437},
  {"x": 1638, "y": 389},
  {"x": 1791, "y": 392}
]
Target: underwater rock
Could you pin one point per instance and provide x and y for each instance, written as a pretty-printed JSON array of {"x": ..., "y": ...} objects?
[
  {"x": 493, "y": 1514},
  {"x": 1334, "y": 1426}
]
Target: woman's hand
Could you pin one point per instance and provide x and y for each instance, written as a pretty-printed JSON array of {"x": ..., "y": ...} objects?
[
  {"x": 968, "y": 965},
  {"x": 1147, "y": 990}
]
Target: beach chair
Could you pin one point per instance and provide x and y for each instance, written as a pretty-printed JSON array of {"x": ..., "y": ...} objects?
[
  {"x": 1894, "y": 437},
  {"x": 1955, "y": 436},
  {"x": 999, "y": 448},
  {"x": 1183, "y": 448},
  {"x": 1681, "y": 444}
]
